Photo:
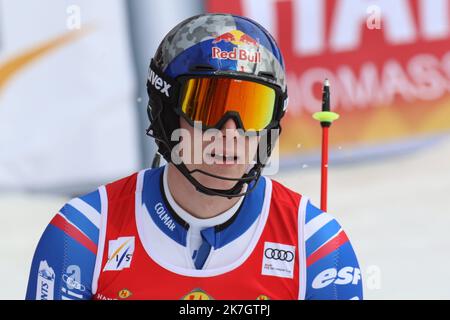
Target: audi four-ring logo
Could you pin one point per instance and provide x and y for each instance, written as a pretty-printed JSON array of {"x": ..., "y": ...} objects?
[{"x": 277, "y": 254}]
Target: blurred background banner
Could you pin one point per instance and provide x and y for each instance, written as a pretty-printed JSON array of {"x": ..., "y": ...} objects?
[
  {"x": 67, "y": 116},
  {"x": 72, "y": 78},
  {"x": 388, "y": 63}
]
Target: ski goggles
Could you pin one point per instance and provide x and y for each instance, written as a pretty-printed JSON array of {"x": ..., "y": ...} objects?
[{"x": 214, "y": 100}]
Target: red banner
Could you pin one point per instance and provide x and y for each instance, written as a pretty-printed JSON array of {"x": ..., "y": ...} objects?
[{"x": 388, "y": 63}]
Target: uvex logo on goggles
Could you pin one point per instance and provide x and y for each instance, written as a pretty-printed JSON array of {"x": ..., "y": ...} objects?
[
  {"x": 242, "y": 52},
  {"x": 158, "y": 83}
]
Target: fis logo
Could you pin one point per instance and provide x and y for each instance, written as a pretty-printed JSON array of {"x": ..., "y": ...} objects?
[
  {"x": 45, "y": 282},
  {"x": 247, "y": 49},
  {"x": 159, "y": 84},
  {"x": 120, "y": 254}
]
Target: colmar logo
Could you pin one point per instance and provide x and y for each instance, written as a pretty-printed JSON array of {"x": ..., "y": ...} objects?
[
  {"x": 342, "y": 277},
  {"x": 164, "y": 216},
  {"x": 247, "y": 48},
  {"x": 159, "y": 84}
]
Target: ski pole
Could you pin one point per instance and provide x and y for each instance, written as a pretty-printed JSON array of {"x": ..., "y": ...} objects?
[{"x": 326, "y": 118}]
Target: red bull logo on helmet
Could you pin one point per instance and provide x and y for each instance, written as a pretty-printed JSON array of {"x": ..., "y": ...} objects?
[
  {"x": 236, "y": 54},
  {"x": 246, "y": 50}
]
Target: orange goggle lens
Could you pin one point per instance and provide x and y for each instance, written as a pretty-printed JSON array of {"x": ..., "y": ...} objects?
[{"x": 209, "y": 99}]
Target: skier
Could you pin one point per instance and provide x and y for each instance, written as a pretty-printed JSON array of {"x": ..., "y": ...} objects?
[{"x": 209, "y": 229}]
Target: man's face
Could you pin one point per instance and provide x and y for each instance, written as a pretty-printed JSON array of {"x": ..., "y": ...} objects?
[{"x": 222, "y": 152}]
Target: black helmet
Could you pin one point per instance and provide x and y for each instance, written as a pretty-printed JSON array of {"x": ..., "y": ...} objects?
[{"x": 214, "y": 46}]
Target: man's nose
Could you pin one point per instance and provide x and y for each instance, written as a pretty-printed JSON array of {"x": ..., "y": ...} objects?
[{"x": 229, "y": 125}]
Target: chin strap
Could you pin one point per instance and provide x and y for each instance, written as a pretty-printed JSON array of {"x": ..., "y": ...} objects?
[{"x": 252, "y": 176}]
